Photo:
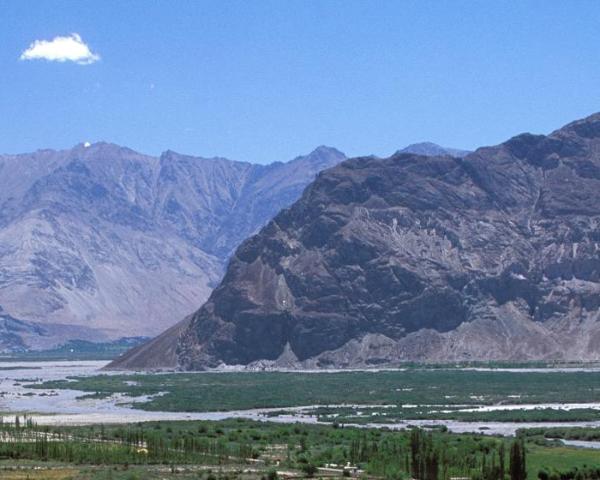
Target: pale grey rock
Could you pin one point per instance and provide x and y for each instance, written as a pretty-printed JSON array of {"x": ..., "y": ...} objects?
[
  {"x": 432, "y": 149},
  {"x": 111, "y": 243}
]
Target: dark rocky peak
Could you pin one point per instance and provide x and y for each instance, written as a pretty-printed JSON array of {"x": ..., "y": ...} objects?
[
  {"x": 575, "y": 146},
  {"x": 493, "y": 255},
  {"x": 522, "y": 145},
  {"x": 588, "y": 127}
]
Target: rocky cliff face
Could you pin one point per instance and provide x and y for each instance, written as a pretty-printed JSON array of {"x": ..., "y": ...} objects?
[
  {"x": 491, "y": 256},
  {"x": 101, "y": 242}
]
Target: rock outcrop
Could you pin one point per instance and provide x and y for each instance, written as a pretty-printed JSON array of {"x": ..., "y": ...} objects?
[{"x": 494, "y": 255}]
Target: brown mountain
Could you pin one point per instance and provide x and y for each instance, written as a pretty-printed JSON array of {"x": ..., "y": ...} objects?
[{"x": 492, "y": 256}]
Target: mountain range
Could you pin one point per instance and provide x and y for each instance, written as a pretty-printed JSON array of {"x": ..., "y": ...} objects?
[
  {"x": 100, "y": 242},
  {"x": 490, "y": 256}
]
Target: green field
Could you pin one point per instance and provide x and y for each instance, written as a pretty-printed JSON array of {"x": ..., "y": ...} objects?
[
  {"x": 560, "y": 459},
  {"x": 408, "y": 394}
]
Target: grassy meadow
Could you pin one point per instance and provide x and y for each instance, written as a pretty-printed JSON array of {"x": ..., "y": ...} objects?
[{"x": 406, "y": 394}]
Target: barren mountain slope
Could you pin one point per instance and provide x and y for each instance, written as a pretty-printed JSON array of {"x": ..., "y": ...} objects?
[
  {"x": 491, "y": 256},
  {"x": 119, "y": 244}
]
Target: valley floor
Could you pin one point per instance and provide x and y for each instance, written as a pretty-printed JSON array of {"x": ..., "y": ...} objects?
[
  {"x": 78, "y": 422},
  {"x": 489, "y": 400}
]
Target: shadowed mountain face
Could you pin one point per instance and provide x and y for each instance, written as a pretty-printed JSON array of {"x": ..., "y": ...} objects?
[
  {"x": 102, "y": 242},
  {"x": 491, "y": 256}
]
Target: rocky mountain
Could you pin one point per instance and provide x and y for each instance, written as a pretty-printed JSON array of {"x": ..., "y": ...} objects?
[
  {"x": 101, "y": 242},
  {"x": 492, "y": 256}
]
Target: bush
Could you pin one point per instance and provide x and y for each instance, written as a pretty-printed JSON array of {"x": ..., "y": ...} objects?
[{"x": 309, "y": 469}]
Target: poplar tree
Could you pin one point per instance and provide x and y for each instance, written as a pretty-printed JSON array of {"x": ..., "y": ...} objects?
[{"x": 518, "y": 467}]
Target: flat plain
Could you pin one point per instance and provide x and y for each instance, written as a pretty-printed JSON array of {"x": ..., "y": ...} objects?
[
  {"x": 413, "y": 393},
  {"x": 99, "y": 426}
]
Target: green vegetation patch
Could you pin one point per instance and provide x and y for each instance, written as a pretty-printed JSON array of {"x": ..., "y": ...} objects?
[{"x": 436, "y": 389}]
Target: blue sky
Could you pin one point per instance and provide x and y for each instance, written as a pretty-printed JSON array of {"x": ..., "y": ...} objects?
[{"x": 268, "y": 80}]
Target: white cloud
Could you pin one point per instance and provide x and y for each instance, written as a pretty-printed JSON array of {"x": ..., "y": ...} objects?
[{"x": 61, "y": 49}]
